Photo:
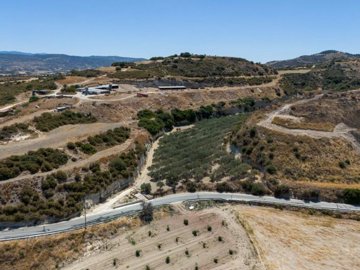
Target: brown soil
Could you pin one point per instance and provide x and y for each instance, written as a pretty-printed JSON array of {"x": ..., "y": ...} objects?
[
  {"x": 292, "y": 240},
  {"x": 234, "y": 238}
]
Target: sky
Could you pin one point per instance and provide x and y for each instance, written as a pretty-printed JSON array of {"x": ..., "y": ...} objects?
[{"x": 258, "y": 30}]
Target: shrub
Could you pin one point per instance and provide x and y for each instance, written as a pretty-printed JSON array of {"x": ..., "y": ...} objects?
[
  {"x": 145, "y": 188},
  {"x": 167, "y": 260},
  {"x": 146, "y": 214},
  {"x": 61, "y": 176},
  {"x": 191, "y": 186},
  {"x": 44, "y": 159},
  {"x": 282, "y": 191},
  {"x": 351, "y": 196},
  {"x": 71, "y": 146},
  {"x": 186, "y": 222},
  {"x": 88, "y": 149},
  {"x": 342, "y": 164},
  {"x": 311, "y": 195},
  {"x": 271, "y": 169},
  {"x": 209, "y": 228},
  {"x": 220, "y": 239},
  {"x": 48, "y": 121},
  {"x": 137, "y": 253},
  {"x": 216, "y": 260},
  {"x": 33, "y": 99}
]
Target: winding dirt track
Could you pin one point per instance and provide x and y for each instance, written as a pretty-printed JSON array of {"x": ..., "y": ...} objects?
[{"x": 340, "y": 131}]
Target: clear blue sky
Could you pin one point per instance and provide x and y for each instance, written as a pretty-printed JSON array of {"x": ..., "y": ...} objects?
[{"x": 259, "y": 30}]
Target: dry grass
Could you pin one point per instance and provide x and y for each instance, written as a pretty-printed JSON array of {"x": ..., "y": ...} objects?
[
  {"x": 72, "y": 80},
  {"x": 294, "y": 240},
  {"x": 53, "y": 251},
  {"x": 291, "y": 124}
]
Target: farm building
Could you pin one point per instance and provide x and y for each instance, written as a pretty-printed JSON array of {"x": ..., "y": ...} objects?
[
  {"x": 97, "y": 90},
  {"x": 172, "y": 87}
]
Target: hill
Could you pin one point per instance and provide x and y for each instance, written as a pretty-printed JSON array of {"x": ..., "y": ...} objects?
[
  {"x": 27, "y": 63},
  {"x": 313, "y": 59},
  {"x": 196, "y": 71},
  {"x": 339, "y": 75}
]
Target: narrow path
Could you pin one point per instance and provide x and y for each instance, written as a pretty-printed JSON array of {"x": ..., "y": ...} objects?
[{"x": 340, "y": 131}]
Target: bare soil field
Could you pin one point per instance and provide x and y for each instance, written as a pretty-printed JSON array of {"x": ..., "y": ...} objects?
[
  {"x": 178, "y": 242},
  {"x": 293, "y": 240},
  {"x": 57, "y": 138}
]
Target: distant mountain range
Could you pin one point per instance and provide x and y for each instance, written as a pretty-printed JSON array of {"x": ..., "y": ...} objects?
[
  {"x": 12, "y": 62},
  {"x": 314, "y": 59}
]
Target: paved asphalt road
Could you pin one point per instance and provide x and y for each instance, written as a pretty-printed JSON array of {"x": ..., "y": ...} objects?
[{"x": 76, "y": 223}]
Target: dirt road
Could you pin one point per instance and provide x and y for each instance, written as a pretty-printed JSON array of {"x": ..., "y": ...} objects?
[
  {"x": 58, "y": 137},
  {"x": 340, "y": 131}
]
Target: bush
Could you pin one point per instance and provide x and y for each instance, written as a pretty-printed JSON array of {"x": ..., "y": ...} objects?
[
  {"x": 137, "y": 253},
  {"x": 282, "y": 191},
  {"x": 311, "y": 195},
  {"x": 186, "y": 222},
  {"x": 167, "y": 260},
  {"x": 44, "y": 159},
  {"x": 71, "y": 146},
  {"x": 195, "y": 232},
  {"x": 61, "y": 176},
  {"x": 146, "y": 214},
  {"x": 49, "y": 121},
  {"x": 351, "y": 196},
  {"x": 271, "y": 169},
  {"x": 88, "y": 149},
  {"x": 342, "y": 164},
  {"x": 145, "y": 188}
]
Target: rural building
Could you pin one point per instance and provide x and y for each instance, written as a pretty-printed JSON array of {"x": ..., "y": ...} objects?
[
  {"x": 97, "y": 90},
  {"x": 172, "y": 87},
  {"x": 62, "y": 108}
]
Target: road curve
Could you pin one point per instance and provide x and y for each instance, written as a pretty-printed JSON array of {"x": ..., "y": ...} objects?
[{"x": 78, "y": 222}]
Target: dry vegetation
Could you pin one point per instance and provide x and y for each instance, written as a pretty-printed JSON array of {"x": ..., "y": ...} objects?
[
  {"x": 294, "y": 124},
  {"x": 294, "y": 240}
]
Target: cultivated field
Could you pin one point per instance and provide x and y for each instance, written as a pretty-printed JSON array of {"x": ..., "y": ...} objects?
[{"x": 219, "y": 236}]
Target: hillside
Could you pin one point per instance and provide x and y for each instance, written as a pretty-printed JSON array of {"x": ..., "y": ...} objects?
[
  {"x": 27, "y": 63},
  {"x": 334, "y": 76},
  {"x": 313, "y": 59},
  {"x": 197, "y": 69}
]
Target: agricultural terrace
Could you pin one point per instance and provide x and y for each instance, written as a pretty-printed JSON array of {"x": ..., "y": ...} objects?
[{"x": 197, "y": 153}]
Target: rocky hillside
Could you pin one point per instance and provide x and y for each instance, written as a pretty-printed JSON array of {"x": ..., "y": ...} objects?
[{"x": 313, "y": 59}]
